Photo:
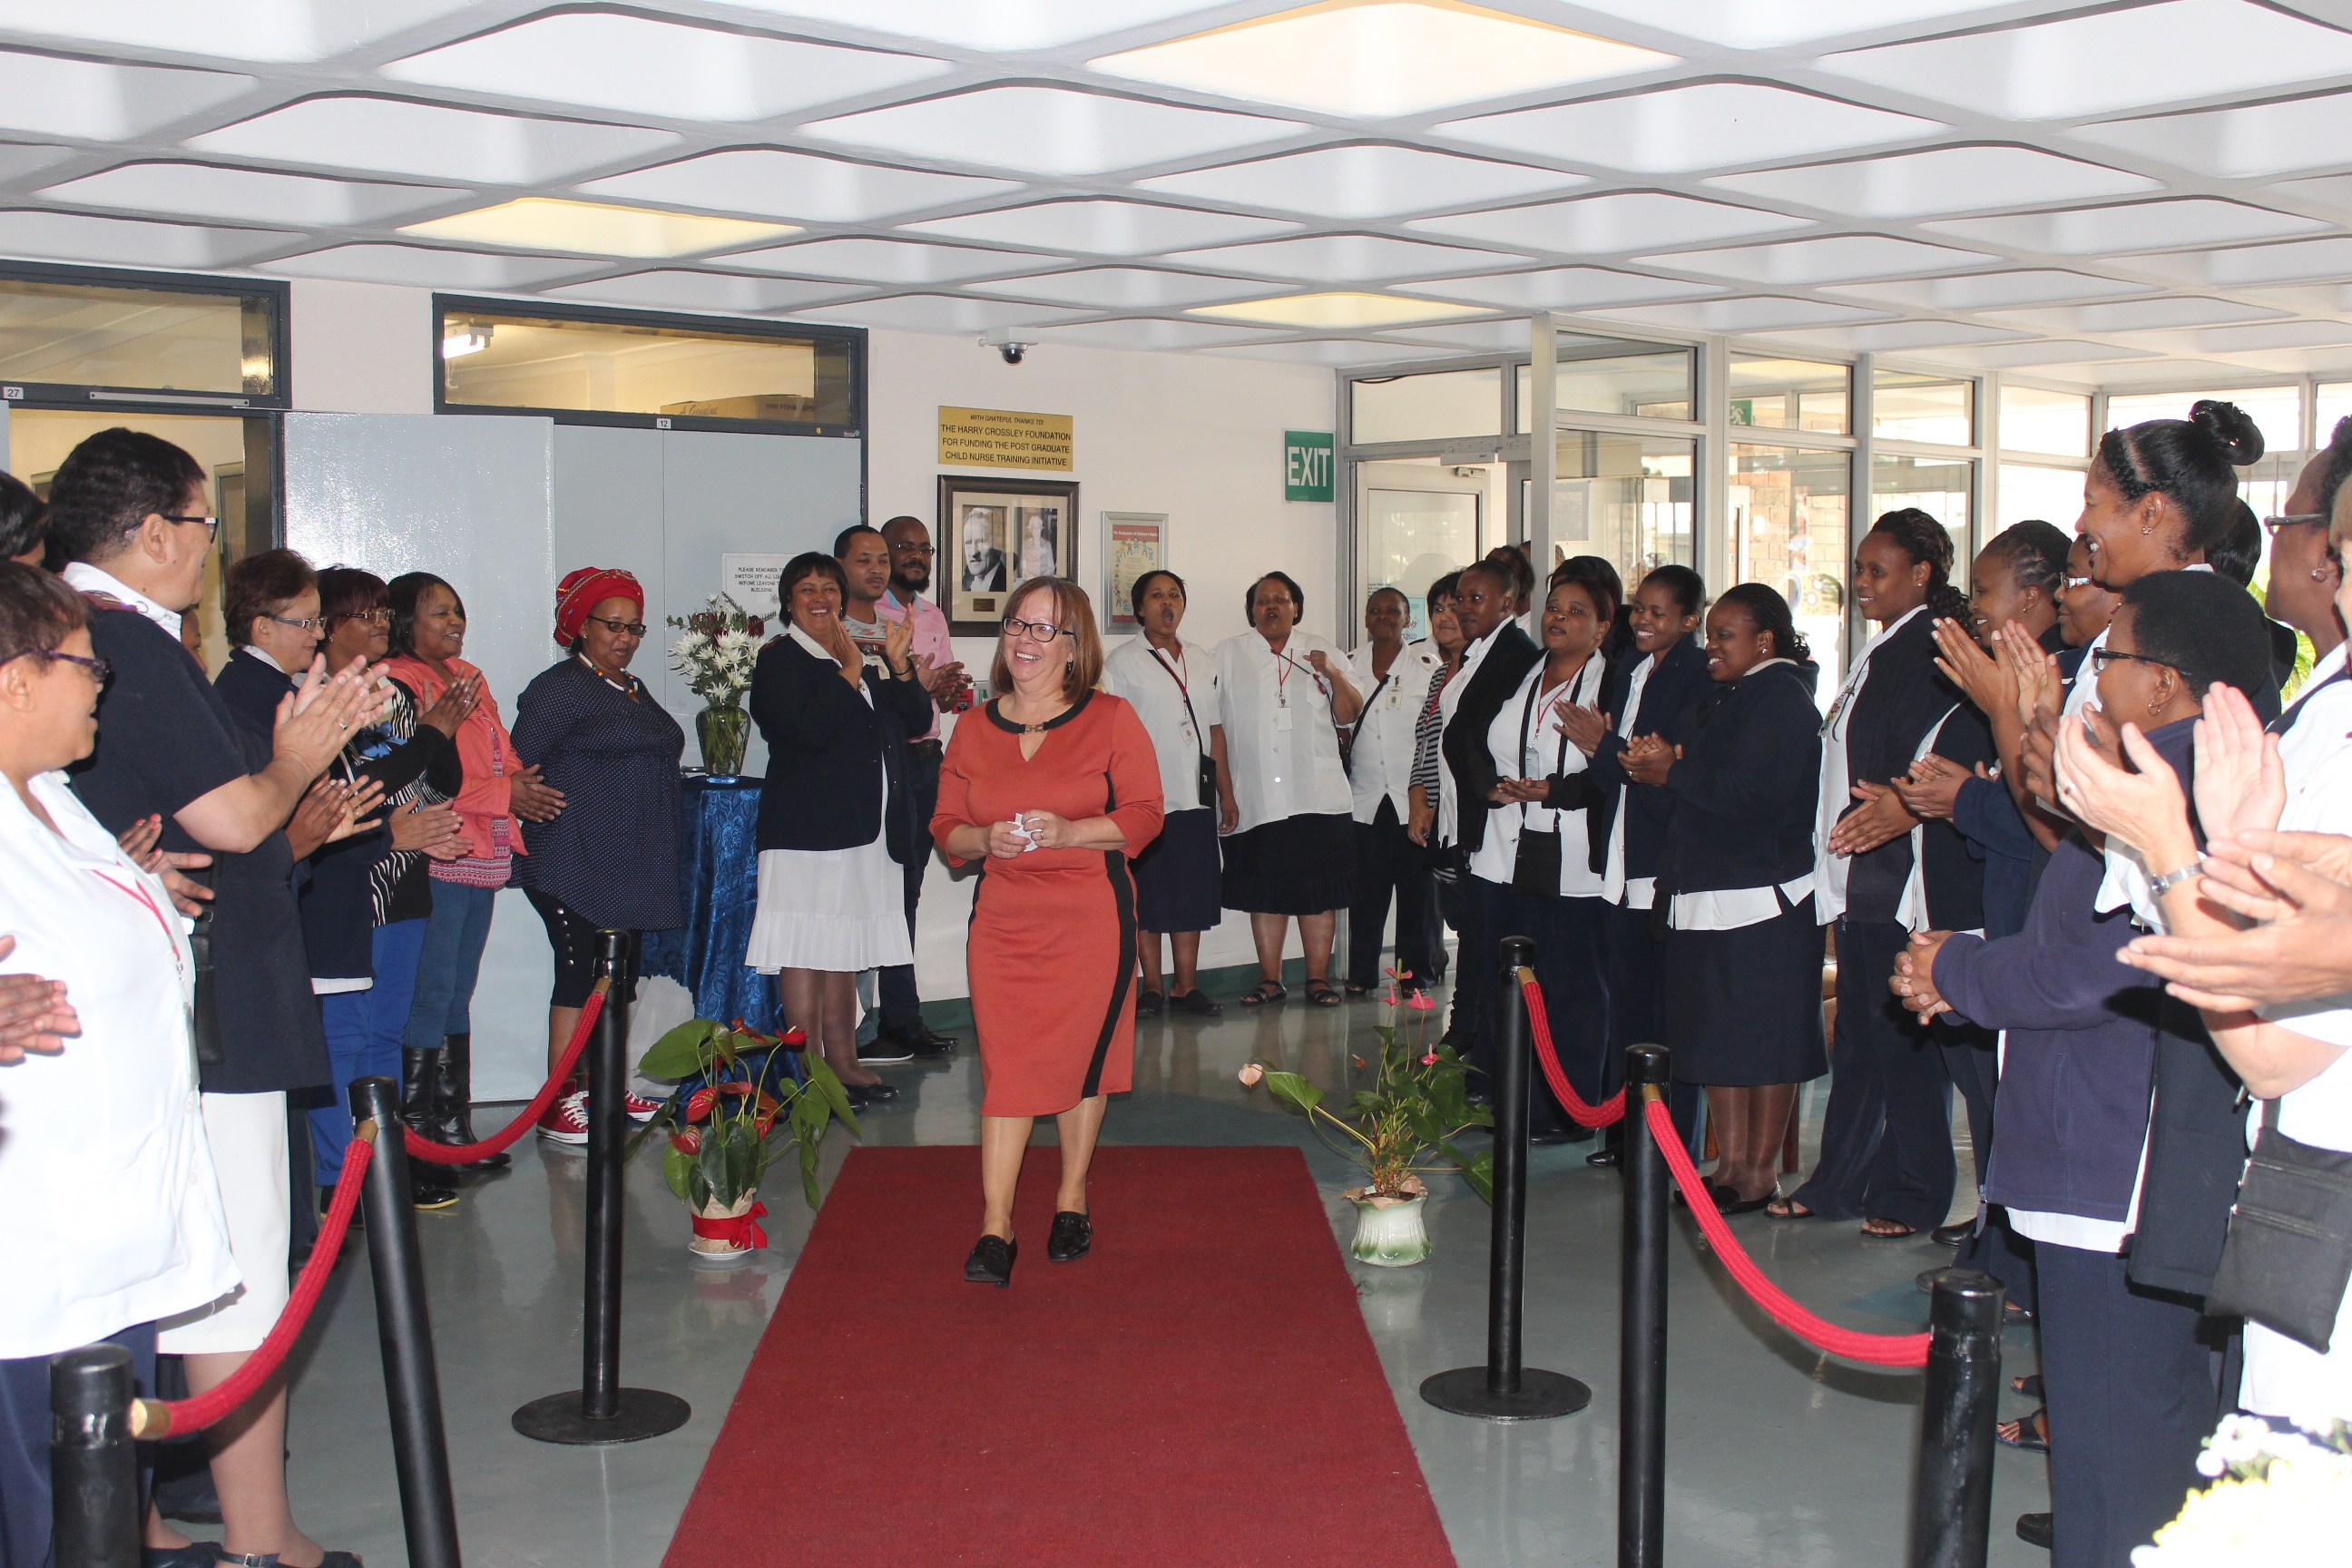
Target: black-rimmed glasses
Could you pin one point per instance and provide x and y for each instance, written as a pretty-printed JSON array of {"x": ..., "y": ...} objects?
[
  {"x": 212, "y": 524},
  {"x": 634, "y": 628},
  {"x": 1036, "y": 631},
  {"x": 2102, "y": 657},
  {"x": 2291, "y": 518},
  {"x": 100, "y": 669}
]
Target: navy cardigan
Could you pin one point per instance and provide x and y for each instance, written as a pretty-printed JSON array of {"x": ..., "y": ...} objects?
[
  {"x": 1677, "y": 680},
  {"x": 1745, "y": 788},
  {"x": 1463, "y": 746},
  {"x": 825, "y": 745}
]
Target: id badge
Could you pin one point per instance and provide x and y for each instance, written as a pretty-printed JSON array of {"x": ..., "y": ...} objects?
[{"x": 1282, "y": 718}]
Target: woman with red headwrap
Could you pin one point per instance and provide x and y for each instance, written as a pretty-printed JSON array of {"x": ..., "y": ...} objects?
[{"x": 610, "y": 861}]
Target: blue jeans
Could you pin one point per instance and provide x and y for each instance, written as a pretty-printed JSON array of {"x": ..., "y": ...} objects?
[
  {"x": 448, "y": 965},
  {"x": 364, "y": 1034}
]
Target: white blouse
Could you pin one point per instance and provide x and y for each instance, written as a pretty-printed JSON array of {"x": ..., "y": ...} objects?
[
  {"x": 1175, "y": 695},
  {"x": 1531, "y": 712},
  {"x": 1379, "y": 765},
  {"x": 110, "y": 1214},
  {"x": 1837, "y": 789},
  {"x": 1449, "y": 810},
  {"x": 1281, "y": 742}
]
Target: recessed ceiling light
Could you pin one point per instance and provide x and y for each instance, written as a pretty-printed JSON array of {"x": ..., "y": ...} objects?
[
  {"x": 1390, "y": 57},
  {"x": 1337, "y": 309},
  {"x": 543, "y": 223}
]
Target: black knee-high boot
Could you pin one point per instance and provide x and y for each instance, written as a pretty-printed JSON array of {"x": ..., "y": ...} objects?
[
  {"x": 418, "y": 1073},
  {"x": 453, "y": 1101}
]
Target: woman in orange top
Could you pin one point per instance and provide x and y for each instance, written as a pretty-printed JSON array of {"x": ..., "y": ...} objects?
[{"x": 1054, "y": 784}]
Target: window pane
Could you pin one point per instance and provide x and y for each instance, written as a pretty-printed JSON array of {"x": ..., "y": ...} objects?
[
  {"x": 2058, "y": 423},
  {"x": 498, "y": 361},
  {"x": 1790, "y": 513},
  {"x": 2335, "y": 401},
  {"x": 1626, "y": 497},
  {"x": 1426, "y": 407},
  {"x": 2054, "y": 495},
  {"x": 1788, "y": 394},
  {"x": 1936, "y": 486},
  {"x": 1911, "y": 407},
  {"x": 1602, "y": 377},
  {"x": 157, "y": 340},
  {"x": 2277, "y": 411},
  {"x": 1418, "y": 536}
]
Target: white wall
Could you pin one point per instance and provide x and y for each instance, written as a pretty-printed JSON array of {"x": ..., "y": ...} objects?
[{"x": 360, "y": 348}]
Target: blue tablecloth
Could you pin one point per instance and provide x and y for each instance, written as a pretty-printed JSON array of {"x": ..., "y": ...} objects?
[{"x": 719, "y": 882}]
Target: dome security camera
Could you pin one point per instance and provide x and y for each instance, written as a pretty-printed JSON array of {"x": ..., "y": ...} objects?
[{"x": 1011, "y": 348}]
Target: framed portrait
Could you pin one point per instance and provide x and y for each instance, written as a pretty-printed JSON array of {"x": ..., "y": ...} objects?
[
  {"x": 993, "y": 534},
  {"x": 1133, "y": 542}
]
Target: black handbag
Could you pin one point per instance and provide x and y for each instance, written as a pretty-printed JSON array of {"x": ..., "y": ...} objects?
[
  {"x": 205, "y": 1016},
  {"x": 2289, "y": 1256}
]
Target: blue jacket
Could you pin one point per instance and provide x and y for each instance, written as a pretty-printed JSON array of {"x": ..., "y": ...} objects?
[
  {"x": 1744, "y": 787},
  {"x": 1678, "y": 680}
]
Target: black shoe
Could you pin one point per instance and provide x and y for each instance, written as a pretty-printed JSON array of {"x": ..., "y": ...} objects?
[
  {"x": 426, "y": 1193},
  {"x": 453, "y": 1102},
  {"x": 991, "y": 1262},
  {"x": 1953, "y": 1234},
  {"x": 885, "y": 1051},
  {"x": 1073, "y": 1235},
  {"x": 1606, "y": 1158},
  {"x": 1149, "y": 1003},
  {"x": 862, "y": 1095},
  {"x": 1197, "y": 1003},
  {"x": 2033, "y": 1528},
  {"x": 1549, "y": 1136},
  {"x": 195, "y": 1554},
  {"x": 917, "y": 1041}
]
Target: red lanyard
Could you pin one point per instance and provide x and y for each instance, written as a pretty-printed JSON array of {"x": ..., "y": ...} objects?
[
  {"x": 135, "y": 892},
  {"x": 1175, "y": 670},
  {"x": 1284, "y": 665}
]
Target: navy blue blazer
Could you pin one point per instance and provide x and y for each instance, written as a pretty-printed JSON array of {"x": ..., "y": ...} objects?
[
  {"x": 1745, "y": 788},
  {"x": 1463, "y": 744},
  {"x": 1678, "y": 681},
  {"x": 824, "y": 747}
]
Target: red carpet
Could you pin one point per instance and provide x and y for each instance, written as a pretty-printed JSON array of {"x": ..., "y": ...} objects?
[{"x": 1200, "y": 1390}]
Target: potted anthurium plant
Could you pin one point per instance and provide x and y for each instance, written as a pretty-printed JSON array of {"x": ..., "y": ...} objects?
[
  {"x": 722, "y": 1132},
  {"x": 1416, "y": 1107}
]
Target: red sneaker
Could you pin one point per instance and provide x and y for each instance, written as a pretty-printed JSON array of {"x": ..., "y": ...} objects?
[
  {"x": 566, "y": 1120},
  {"x": 640, "y": 1110}
]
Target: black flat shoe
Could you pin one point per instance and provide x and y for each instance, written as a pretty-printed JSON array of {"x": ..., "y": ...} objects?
[
  {"x": 1953, "y": 1234},
  {"x": 1552, "y": 1136},
  {"x": 864, "y": 1094},
  {"x": 1149, "y": 1003},
  {"x": 991, "y": 1262},
  {"x": 2033, "y": 1528},
  {"x": 1606, "y": 1158},
  {"x": 1199, "y": 1005},
  {"x": 1073, "y": 1235}
]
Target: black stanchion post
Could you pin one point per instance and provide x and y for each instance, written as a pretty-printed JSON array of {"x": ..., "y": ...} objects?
[
  {"x": 93, "y": 1469},
  {"x": 1952, "y": 1497},
  {"x": 404, "y": 1331},
  {"x": 1642, "y": 1335},
  {"x": 602, "y": 1411},
  {"x": 1503, "y": 1390}
]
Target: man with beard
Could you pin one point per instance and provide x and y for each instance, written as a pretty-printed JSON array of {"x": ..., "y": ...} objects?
[{"x": 910, "y": 555}]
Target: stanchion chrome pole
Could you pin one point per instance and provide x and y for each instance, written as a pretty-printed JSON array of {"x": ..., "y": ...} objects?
[
  {"x": 1951, "y": 1496},
  {"x": 1642, "y": 1337},
  {"x": 93, "y": 1467},
  {"x": 404, "y": 1331},
  {"x": 602, "y": 1411},
  {"x": 1503, "y": 1390}
]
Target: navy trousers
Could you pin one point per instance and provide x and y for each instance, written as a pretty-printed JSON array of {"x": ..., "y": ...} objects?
[
  {"x": 901, "y": 1001},
  {"x": 1387, "y": 862},
  {"x": 25, "y": 1505}
]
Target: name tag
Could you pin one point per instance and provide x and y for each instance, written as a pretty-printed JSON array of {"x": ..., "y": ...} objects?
[{"x": 1281, "y": 717}]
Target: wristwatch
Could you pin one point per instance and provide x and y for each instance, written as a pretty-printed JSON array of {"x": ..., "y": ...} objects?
[{"x": 2162, "y": 885}]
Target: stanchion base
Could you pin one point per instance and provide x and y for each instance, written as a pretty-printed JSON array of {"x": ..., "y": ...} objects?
[
  {"x": 1541, "y": 1396},
  {"x": 642, "y": 1412}
]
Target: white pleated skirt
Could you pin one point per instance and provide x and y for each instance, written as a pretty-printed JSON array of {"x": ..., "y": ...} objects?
[{"x": 842, "y": 910}]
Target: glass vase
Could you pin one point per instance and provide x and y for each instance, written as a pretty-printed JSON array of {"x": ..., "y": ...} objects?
[{"x": 723, "y": 729}]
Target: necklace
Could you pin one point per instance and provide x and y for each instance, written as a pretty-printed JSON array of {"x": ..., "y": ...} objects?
[{"x": 627, "y": 691}]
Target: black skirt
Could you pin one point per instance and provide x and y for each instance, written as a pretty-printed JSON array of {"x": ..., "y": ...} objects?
[
  {"x": 1177, "y": 876},
  {"x": 1296, "y": 865},
  {"x": 1744, "y": 1007}
]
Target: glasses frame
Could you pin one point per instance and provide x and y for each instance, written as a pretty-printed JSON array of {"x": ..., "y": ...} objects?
[
  {"x": 925, "y": 551},
  {"x": 1018, "y": 629},
  {"x": 380, "y": 616},
  {"x": 2271, "y": 525},
  {"x": 102, "y": 669},
  {"x": 2103, "y": 657},
  {"x": 634, "y": 628},
  {"x": 313, "y": 623},
  {"x": 212, "y": 524}
]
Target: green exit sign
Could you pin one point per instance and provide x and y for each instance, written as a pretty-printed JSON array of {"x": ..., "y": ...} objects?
[{"x": 1307, "y": 465}]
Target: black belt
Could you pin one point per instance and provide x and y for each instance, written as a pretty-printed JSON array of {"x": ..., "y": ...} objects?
[{"x": 923, "y": 746}]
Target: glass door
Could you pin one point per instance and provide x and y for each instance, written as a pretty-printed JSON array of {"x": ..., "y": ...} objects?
[{"x": 1421, "y": 521}]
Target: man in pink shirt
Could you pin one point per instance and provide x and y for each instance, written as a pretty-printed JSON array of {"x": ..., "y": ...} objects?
[{"x": 936, "y": 668}]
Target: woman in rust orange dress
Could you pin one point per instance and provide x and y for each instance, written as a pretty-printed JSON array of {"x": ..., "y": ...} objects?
[{"x": 1053, "y": 784}]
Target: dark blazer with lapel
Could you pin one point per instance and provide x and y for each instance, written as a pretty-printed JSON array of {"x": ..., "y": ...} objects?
[
  {"x": 1464, "y": 745},
  {"x": 1900, "y": 700},
  {"x": 824, "y": 744},
  {"x": 1745, "y": 788},
  {"x": 1679, "y": 680}
]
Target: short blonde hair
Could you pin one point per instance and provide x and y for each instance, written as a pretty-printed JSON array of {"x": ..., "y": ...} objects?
[{"x": 1075, "y": 614}]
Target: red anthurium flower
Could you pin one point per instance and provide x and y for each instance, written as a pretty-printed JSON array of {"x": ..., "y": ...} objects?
[
  {"x": 1420, "y": 1001},
  {"x": 763, "y": 1123},
  {"x": 1430, "y": 1060},
  {"x": 698, "y": 1103},
  {"x": 687, "y": 1142},
  {"x": 795, "y": 1037},
  {"x": 734, "y": 1089}
]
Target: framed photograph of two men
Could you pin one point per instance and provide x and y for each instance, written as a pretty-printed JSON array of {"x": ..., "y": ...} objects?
[{"x": 993, "y": 534}]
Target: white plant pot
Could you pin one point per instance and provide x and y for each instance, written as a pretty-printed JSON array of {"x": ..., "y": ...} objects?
[{"x": 1391, "y": 1235}]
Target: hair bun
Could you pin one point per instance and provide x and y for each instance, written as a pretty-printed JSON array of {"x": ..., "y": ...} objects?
[{"x": 2231, "y": 428}]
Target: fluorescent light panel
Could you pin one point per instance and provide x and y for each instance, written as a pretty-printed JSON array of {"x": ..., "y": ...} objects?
[
  {"x": 543, "y": 223},
  {"x": 1337, "y": 310}
]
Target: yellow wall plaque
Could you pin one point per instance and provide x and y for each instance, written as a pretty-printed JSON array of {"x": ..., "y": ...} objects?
[{"x": 1004, "y": 438}]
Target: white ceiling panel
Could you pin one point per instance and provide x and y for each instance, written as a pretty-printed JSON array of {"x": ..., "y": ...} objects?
[
  {"x": 1709, "y": 125},
  {"x": 74, "y": 236},
  {"x": 2256, "y": 338},
  {"x": 1563, "y": 289},
  {"x": 940, "y": 314},
  {"x": 1049, "y": 129},
  {"x": 392, "y": 136},
  {"x": 247, "y": 196},
  {"x": 271, "y": 30},
  {"x": 1344, "y": 258},
  {"x": 1125, "y": 288},
  {"x": 775, "y": 183},
  {"x": 2132, "y": 57},
  {"x": 1103, "y": 225},
  {"x": 678, "y": 289},
  {"x": 2052, "y": 351},
  {"x": 420, "y": 267},
  {"x": 2244, "y": 142},
  {"x": 1834, "y": 258},
  {"x": 635, "y": 64},
  {"x": 96, "y": 102},
  {"x": 1005, "y": 25},
  {"x": 887, "y": 263},
  {"x": 2129, "y": 227},
  {"x": 1486, "y": 337},
  {"x": 1898, "y": 337},
  {"x": 1337, "y": 352},
  {"x": 1150, "y": 334},
  {"x": 2132, "y": 315},
  {"x": 1990, "y": 291},
  {"x": 1944, "y": 180},
  {"x": 2320, "y": 299},
  {"x": 2326, "y": 190},
  {"x": 1362, "y": 181},
  {"x": 1624, "y": 221},
  {"x": 1746, "y": 313},
  {"x": 2254, "y": 266},
  {"x": 20, "y": 158}
]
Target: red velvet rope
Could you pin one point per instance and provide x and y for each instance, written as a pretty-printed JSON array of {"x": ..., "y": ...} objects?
[
  {"x": 1539, "y": 1031},
  {"x": 423, "y": 1148},
  {"x": 153, "y": 1418},
  {"x": 1885, "y": 1350}
]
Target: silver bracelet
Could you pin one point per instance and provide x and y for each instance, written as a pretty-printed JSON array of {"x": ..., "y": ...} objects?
[{"x": 2162, "y": 885}]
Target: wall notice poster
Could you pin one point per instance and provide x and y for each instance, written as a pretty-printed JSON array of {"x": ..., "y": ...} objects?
[
  {"x": 751, "y": 580},
  {"x": 1004, "y": 438},
  {"x": 993, "y": 534},
  {"x": 1134, "y": 542}
]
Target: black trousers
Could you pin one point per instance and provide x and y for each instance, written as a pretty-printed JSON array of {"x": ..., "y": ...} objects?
[
  {"x": 1387, "y": 861},
  {"x": 572, "y": 936},
  {"x": 2131, "y": 1395},
  {"x": 1637, "y": 1015},
  {"x": 902, "y": 1004},
  {"x": 25, "y": 1494},
  {"x": 1458, "y": 910},
  {"x": 1886, "y": 1138}
]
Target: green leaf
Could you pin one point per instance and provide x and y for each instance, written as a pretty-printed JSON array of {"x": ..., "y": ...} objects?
[
  {"x": 808, "y": 1173},
  {"x": 822, "y": 1079},
  {"x": 676, "y": 1167},
  {"x": 1295, "y": 1088},
  {"x": 1478, "y": 1170},
  {"x": 679, "y": 1053}
]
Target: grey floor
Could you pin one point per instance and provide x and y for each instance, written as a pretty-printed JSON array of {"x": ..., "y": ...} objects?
[{"x": 1775, "y": 1454}]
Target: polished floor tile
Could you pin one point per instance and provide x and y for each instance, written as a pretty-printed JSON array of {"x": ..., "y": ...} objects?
[{"x": 1776, "y": 1455}]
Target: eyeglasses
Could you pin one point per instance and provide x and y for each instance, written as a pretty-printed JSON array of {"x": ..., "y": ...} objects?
[
  {"x": 374, "y": 617},
  {"x": 99, "y": 669},
  {"x": 2274, "y": 524},
  {"x": 2075, "y": 583},
  {"x": 2102, "y": 657},
  {"x": 923, "y": 549},
  {"x": 1036, "y": 631},
  {"x": 212, "y": 524},
  {"x": 634, "y": 628},
  {"x": 307, "y": 623}
]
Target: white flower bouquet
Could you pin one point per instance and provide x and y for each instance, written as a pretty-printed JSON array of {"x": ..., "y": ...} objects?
[
  {"x": 716, "y": 649},
  {"x": 2276, "y": 1498}
]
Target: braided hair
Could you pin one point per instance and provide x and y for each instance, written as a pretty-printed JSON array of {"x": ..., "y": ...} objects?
[
  {"x": 1923, "y": 538},
  {"x": 1767, "y": 611},
  {"x": 2192, "y": 462},
  {"x": 2035, "y": 554}
]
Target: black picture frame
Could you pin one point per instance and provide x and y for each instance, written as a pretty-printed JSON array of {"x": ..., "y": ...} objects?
[{"x": 1021, "y": 528}]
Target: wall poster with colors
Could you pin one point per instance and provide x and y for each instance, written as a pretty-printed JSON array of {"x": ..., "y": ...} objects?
[
  {"x": 993, "y": 534},
  {"x": 1133, "y": 542}
]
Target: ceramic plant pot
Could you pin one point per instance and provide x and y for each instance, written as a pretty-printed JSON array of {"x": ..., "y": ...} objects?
[{"x": 1391, "y": 1235}]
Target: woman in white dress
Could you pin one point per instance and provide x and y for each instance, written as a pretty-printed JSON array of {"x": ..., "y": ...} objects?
[{"x": 837, "y": 815}]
